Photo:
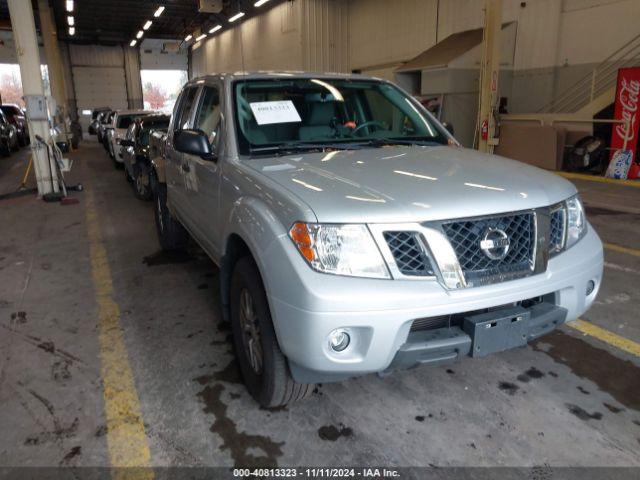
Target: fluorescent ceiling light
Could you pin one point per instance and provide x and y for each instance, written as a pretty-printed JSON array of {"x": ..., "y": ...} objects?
[
  {"x": 201, "y": 37},
  {"x": 188, "y": 37},
  {"x": 69, "y": 6},
  {"x": 139, "y": 34},
  {"x": 72, "y": 31},
  {"x": 147, "y": 25},
  {"x": 236, "y": 16},
  {"x": 133, "y": 43},
  {"x": 71, "y": 21},
  {"x": 215, "y": 29},
  {"x": 158, "y": 12},
  {"x": 259, "y": 3}
]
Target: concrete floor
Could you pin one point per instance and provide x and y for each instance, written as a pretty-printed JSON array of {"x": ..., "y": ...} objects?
[{"x": 568, "y": 399}]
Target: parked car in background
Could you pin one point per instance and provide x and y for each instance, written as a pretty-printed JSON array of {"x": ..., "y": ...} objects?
[
  {"x": 95, "y": 121},
  {"x": 354, "y": 235},
  {"x": 8, "y": 136},
  {"x": 103, "y": 128},
  {"x": 98, "y": 121},
  {"x": 136, "y": 152},
  {"x": 118, "y": 129},
  {"x": 16, "y": 117},
  {"x": 157, "y": 149}
]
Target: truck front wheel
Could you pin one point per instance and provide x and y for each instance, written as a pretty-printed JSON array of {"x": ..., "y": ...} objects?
[
  {"x": 263, "y": 366},
  {"x": 171, "y": 233}
]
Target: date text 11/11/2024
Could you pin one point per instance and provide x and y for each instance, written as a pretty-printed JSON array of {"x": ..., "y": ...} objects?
[{"x": 321, "y": 472}]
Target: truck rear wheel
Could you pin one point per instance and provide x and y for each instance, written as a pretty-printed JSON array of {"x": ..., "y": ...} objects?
[
  {"x": 141, "y": 181},
  {"x": 263, "y": 366},
  {"x": 171, "y": 233}
]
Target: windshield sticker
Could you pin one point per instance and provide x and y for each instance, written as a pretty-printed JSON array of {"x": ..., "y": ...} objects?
[{"x": 282, "y": 111}]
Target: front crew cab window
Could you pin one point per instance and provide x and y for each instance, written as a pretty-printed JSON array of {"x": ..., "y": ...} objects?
[
  {"x": 184, "y": 110},
  {"x": 309, "y": 113},
  {"x": 208, "y": 116}
]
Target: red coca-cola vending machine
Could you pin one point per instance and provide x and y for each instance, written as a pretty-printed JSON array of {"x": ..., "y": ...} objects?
[{"x": 624, "y": 137}]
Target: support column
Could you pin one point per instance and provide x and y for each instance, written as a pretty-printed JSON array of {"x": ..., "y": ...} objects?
[
  {"x": 54, "y": 63},
  {"x": 26, "y": 42},
  {"x": 489, "y": 74},
  {"x": 132, "y": 77}
]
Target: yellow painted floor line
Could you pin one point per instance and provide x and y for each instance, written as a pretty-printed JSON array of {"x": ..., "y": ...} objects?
[
  {"x": 617, "y": 248},
  {"x": 596, "y": 178},
  {"x": 126, "y": 437},
  {"x": 606, "y": 336}
]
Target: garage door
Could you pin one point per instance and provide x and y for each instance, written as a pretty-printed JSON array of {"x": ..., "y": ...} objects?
[
  {"x": 98, "y": 77},
  {"x": 99, "y": 87}
]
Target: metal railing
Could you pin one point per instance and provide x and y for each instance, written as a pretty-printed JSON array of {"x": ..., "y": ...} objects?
[{"x": 601, "y": 79}]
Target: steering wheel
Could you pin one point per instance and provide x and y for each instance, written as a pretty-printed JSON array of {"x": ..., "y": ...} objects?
[{"x": 370, "y": 123}]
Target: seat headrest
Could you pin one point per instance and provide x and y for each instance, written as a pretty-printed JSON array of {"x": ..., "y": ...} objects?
[{"x": 321, "y": 113}]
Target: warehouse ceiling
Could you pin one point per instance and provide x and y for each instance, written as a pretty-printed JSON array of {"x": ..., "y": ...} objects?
[{"x": 110, "y": 22}]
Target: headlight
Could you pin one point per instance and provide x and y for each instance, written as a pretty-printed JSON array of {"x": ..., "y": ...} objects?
[
  {"x": 339, "y": 249},
  {"x": 576, "y": 221}
]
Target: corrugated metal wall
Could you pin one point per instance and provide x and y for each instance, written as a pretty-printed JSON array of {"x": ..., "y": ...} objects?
[
  {"x": 324, "y": 28},
  {"x": 384, "y": 34},
  {"x": 270, "y": 41},
  {"x": 96, "y": 56}
]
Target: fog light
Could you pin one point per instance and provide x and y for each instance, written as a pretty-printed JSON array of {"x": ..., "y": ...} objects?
[
  {"x": 591, "y": 285},
  {"x": 339, "y": 340}
]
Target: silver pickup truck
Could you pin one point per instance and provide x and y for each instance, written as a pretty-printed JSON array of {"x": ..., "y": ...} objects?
[{"x": 354, "y": 234}]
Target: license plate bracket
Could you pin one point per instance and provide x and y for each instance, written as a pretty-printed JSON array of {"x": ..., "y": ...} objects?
[{"x": 497, "y": 330}]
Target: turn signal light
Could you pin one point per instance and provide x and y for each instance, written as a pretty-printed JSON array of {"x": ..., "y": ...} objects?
[{"x": 300, "y": 235}]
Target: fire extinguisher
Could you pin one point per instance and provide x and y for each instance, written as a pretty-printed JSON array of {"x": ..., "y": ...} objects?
[{"x": 484, "y": 130}]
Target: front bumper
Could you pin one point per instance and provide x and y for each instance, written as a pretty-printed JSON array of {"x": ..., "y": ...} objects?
[
  {"x": 380, "y": 313},
  {"x": 496, "y": 331}
]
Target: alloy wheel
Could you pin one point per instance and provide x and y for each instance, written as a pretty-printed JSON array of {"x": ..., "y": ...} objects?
[
  {"x": 140, "y": 186},
  {"x": 250, "y": 331}
]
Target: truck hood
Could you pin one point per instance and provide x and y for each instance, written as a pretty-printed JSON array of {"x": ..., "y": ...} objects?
[{"x": 411, "y": 183}]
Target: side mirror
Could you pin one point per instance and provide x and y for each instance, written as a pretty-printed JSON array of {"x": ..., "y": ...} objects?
[
  {"x": 127, "y": 143},
  {"x": 193, "y": 142},
  {"x": 448, "y": 127}
]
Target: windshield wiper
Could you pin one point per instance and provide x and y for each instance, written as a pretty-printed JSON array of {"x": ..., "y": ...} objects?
[
  {"x": 286, "y": 148},
  {"x": 383, "y": 142}
]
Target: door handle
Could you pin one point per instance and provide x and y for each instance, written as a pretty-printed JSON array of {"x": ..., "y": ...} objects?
[{"x": 186, "y": 167}]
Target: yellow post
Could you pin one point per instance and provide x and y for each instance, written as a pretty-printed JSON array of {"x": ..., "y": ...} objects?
[{"x": 489, "y": 73}]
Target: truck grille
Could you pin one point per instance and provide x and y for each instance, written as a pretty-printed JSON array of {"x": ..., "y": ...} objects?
[
  {"x": 409, "y": 254},
  {"x": 477, "y": 265},
  {"x": 556, "y": 232}
]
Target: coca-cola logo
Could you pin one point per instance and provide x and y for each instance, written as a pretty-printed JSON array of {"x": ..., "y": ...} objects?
[{"x": 628, "y": 99}]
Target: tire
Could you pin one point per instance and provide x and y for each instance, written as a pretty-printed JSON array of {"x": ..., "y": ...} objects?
[
  {"x": 171, "y": 234},
  {"x": 127, "y": 177},
  {"x": 141, "y": 182},
  {"x": 265, "y": 372},
  {"x": 5, "y": 151}
]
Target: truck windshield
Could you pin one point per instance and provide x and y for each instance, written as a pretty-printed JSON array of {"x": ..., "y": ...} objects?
[{"x": 301, "y": 112}]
